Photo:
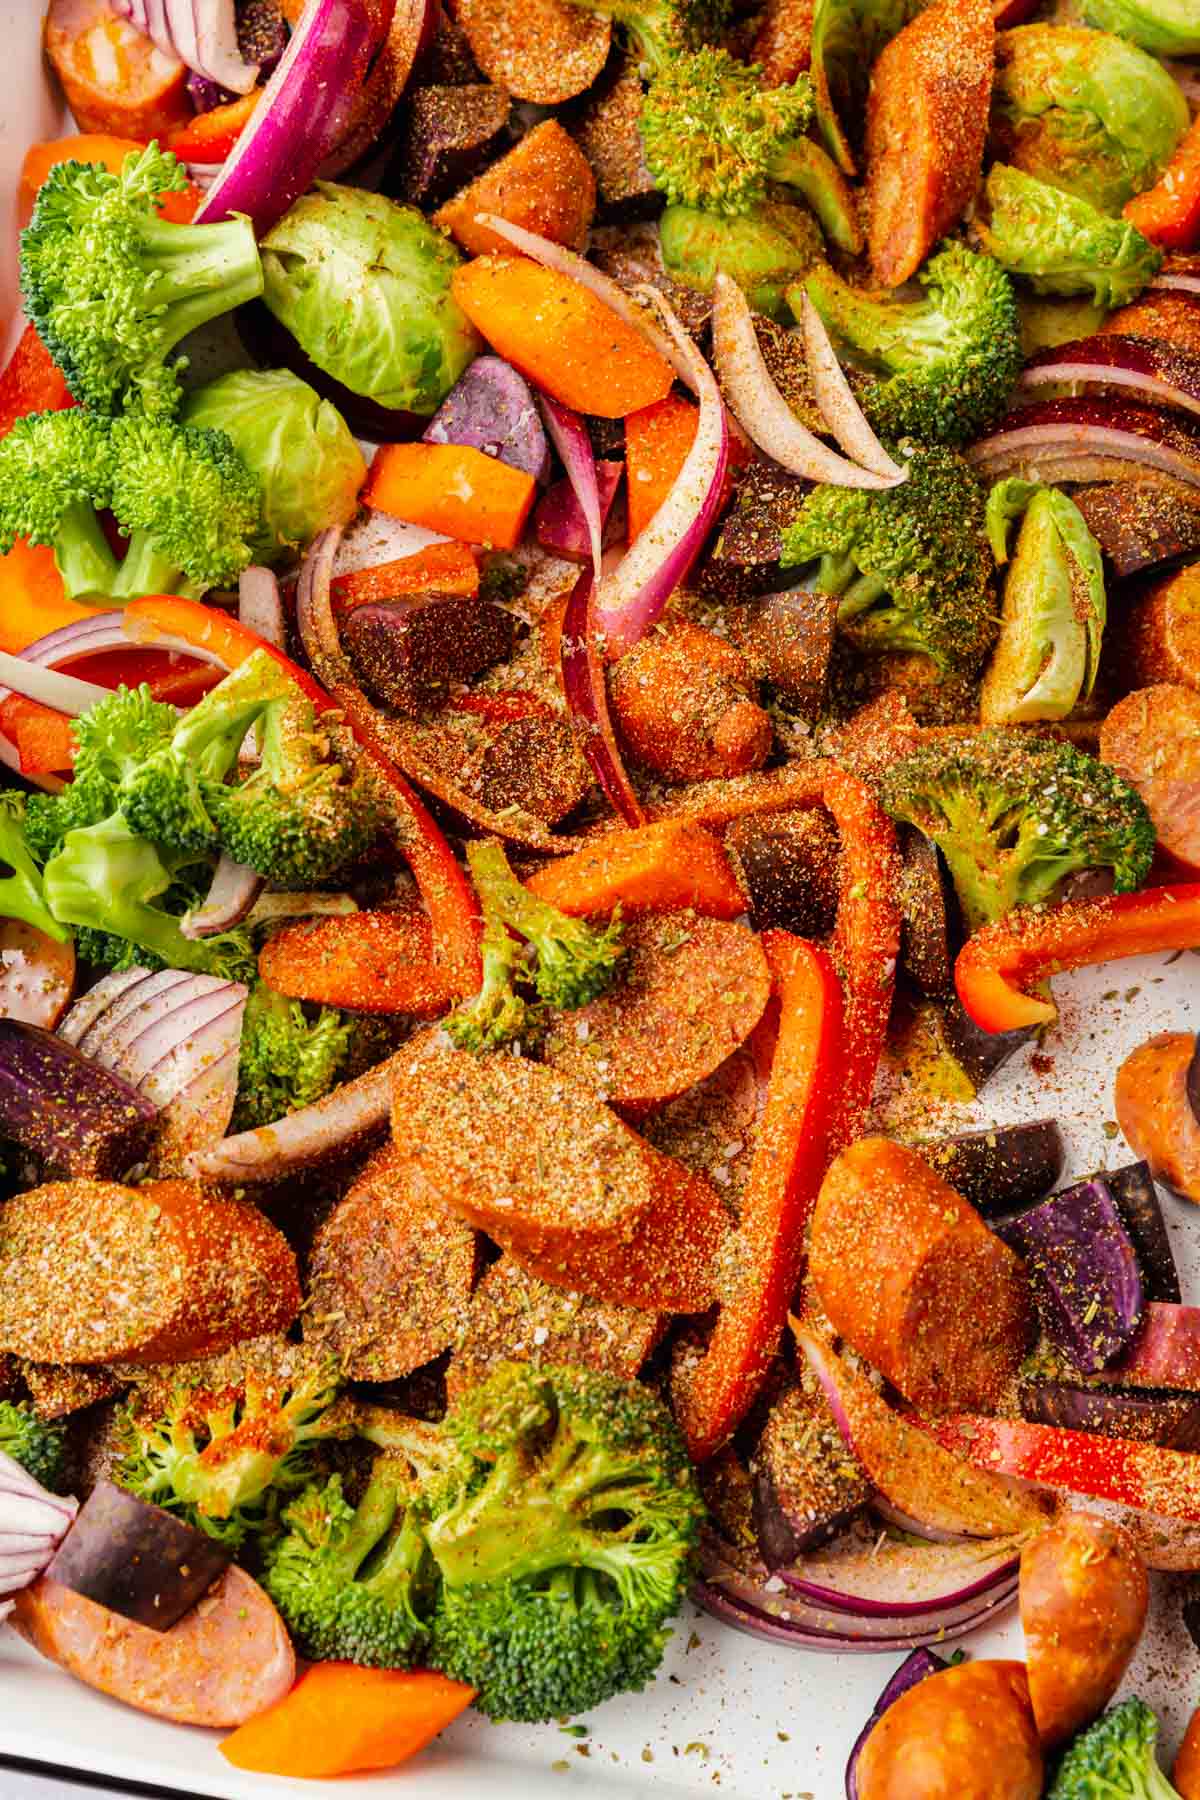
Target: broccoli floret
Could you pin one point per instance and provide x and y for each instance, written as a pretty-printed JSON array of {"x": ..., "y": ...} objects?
[
  {"x": 939, "y": 369},
  {"x": 112, "y": 739},
  {"x": 356, "y": 1584},
  {"x": 1114, "y": 1759},
  {"x": 40, "y": 1448},
  {"x": 188, "y": 503},
  {"x": 910, "y": 564},
  {"x": 575, "y": 961},
  {"x": 1014, "y": 816},
  {"x": 287, "y": 1061},
  {"x": 565, "y": 1550},
  {"x": 55, "y": 471},
  {"x": 498, "y": 1013},
  {"x": 112, "y": 286},
  {"x": 223, "y": 1458},
  {"x": 661, "y": 30},
  {"x": 22, "y": 891},
  {"x": 107, "y": 880}
]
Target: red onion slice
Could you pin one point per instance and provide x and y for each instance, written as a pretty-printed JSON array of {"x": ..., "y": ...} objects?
[
  {"x": 761, "y": 409},
  {"x": 33, "y": 1523},
  {"x": 569, "y": 437},
  {"x": 130, "y": 1010},
  {"x": 1089, "y": 434},
  {"x": 839, "y": 409},
  {"x": 259, "y": 607},
  {"x": 1178, "y": 282},
  {"x": 773, "y": 1627},
  {"x": 231, "y": 895},
  {"x": 65, "y": 693},
  {"x": 900, "y": 1581},
  {"x": 303, "y": 111},
  {"x": 92, "y": 1005},
  {"x": 587, "y": 702},
  {"x": 200, "y": 33},
  {"x": 1159, "y": 372},
  {"x": 324, "y": 1129}
]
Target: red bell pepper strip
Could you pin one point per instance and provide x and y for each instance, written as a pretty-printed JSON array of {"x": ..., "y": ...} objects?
[
  {"x": 1143, "y": 1476},
  {"x": 790, "y": 1159},
  {"x": 1169, "y": 213},
  {"x": 1001, "y": 961},
  {"x": 31, "y": 382},
  {"x": 210, "y": 136},
  {"x": 448, "y": 896},
  {"x": 44, "y": 740}
]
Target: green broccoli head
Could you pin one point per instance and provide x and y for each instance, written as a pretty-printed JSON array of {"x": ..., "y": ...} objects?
[
  {"x": 187, "y": 501},
  {"x": 910, "y": 564},
  {"x": 56, "y": 469},
  {"x": 575, "y": 961},
  {"x": 116, "y": 889},
  {"x": 40, "y": 1448},
  {"x": 939, "y": 369},
  {"x": 1114, "y": 1759},
  {"x": 287, "y": 1061},
  {"x": 112, "y": 287},
  {"x": 711, "y": 131},
  {"x": 356, "y": 1584},
  {"x": 566, "y": 1547},
  {"x": 223, "y": 1458},
  {"x": 661, "y": 30},
  {"x": 22, "y": 890},
  {"x": 1013, "y": 816},
  {"x": 497, "y": 1013},
  {"x": 112, "y": 739}
]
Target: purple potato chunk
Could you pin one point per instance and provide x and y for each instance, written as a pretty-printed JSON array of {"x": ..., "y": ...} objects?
[
  {"x": 807, "y": 1485},
  {"x": 1002, "y": 1169},
  {"x": 1133, "y": 1189},
  {"x": 449, "y": 135},
  {"x": 1150, "y": 1416},
  {"x": 1084, "y": 1271},
  {"x": 925, "y": 954},
  {"x": 136, "y": 1559},
  {"x": 408, "y": 651},
  {"x": 492, "y": 408},
  {"x": 55, "y": 1102}
]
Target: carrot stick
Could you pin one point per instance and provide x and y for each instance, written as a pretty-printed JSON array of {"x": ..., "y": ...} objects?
[
  {"x": 653, "y": 868},
  {"x": 657, "y": 441},
  {"x": 96, "y": 147},
  {"x": 452, "y": 489},
  {"x": 561, "y": 336},
  {"x": 376, "y": 962},
  {"x": 339, "y": 1718},
  {"x": 441, "y": 569}
]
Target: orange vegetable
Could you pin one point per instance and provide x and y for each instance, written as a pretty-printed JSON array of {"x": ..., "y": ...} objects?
[
  {"x": 32, "y": 601},
  {"x": 651, "y": 868},
  {"x": 114, "y": 77},
  {"x": 95, "y": 147},
  {"x": 1185, "y": 1772},
  {"x": 453, "y": 489},
  {"x": 339, "y": 1718},
  {"x": 657, "y": 440},
  {"x": 31, "y": 382},
  {"x": 377, "y": 962},
  {"x": 545, "y": 184},
  {"x": 685, "y": 705},
  {"x": 42, "y": 736},
  {"x": 962, "y": 1734},
  {"x": 442, "y": 569},
  {"x": 210, "y": 136},
  {"x": 561, "y": 336},
  {"x": 1169, "y": 213}
]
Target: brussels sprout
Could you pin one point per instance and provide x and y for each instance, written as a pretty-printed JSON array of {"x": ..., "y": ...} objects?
[
  {"x": 1085, "y": 111},
  {"x": 299, "y": 446},
  {"x": 764, "y": 251},
  {"x": 363, "y": 285},
  {"x": 1060, "y": 244},
  {"x": 1164, "y": 27},
  {"x": 1054, "y": 606}
]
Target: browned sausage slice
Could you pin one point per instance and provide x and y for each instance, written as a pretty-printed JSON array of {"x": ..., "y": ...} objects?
[
  {"x": 1155, "y": 1114},
  {"x": 115, "y": 79},
  {"x": 225, "y": 1661},
  {"x": 1161, "y": 631},
  {"x": 1152, "y": 739}
]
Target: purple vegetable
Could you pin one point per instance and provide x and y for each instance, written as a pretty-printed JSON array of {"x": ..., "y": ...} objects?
[
  {"x": 201, "y": 33},
  {"x": 136, "y": 1559},
  {"x": 912, "y": 1670},
  {"x": 558, "y": 521},
  {"x": 1133, "y": 1189},
  {"x": 568, "y": 433},
  {"x": 978, "y": 1053},
  {"x": 1084, "y": 1271},
  {"x": 1154, "y": 1416},
  {"x": 1002, "y": 1169},
  {"x": 492, "y": 408},
  {"x": 925, "y": 953},
  {"x": 65, "y": 1108},
  {"x": 807, "y": 1486},
  {"x": 206, "y": 95}
]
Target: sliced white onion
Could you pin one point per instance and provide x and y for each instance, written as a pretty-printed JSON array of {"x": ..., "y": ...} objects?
[
  {"x": 92, "y": 1005},
  {"x": 259, "y": 607},
  {"x": 308, "y": 1136},
  {"x": 65, "y": 693},
  {"x": 200, "y": 33},
  {"x": 839, "y": 409},
  {"x": 761, "y": 409},
  {"x": 130, "y": 1012},
  {"x": 232, "y": 892}
]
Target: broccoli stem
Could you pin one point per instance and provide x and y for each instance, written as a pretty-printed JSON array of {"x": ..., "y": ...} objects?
[
  {"x": 803, "y": 165},
  {"x": 145, "y": 570},
  {"x": 199, "y": 271},
  {"x": 504, "y": 897},
  {"x": 85, "y": 562}
]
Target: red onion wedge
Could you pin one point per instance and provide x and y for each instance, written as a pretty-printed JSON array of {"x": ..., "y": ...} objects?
[
  {"x": 302, "y": 115},
  {"x": 1089, "y": 440},
  {"x": 412, "y": 28},
  {"x": 840, "y": 410},
  {"x": 1162, "y": 373},
  {"x": 316, "y": 1132},
  {"x": 891, "y": 1579},
  {"x": 628, "y": 602},
  {"x": 231, "y": 894},
  {"x": 259, "y": 607},
  {"x": 915, "y": 1668},
  {"x": 569, "y": 437},
  {"x": 760, "y": 408},
  {"x": 587, "y": 702},
  {"x": 201, "y": 33},
  {"x": 33, "y": 1523}
]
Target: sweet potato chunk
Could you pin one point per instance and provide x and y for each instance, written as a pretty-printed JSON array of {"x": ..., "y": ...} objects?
[
  {"x": 545, "y": 184},
  {"x": 1152, "y": 739},
  {"x": 963, "y": 1734}
]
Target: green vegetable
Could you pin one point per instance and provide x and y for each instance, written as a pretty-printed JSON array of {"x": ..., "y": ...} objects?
[
  {"x": 187, "y": 501},
  {"x": 1114, "y": 1759},
  {"x": 40, "y": 1448},
  {"x": 1164, "y": 27},
  {"x": 222, "y": 1459},
  {"x": 847, "y": 36},
  {"x": 566, "y": 1548},
  {"x": 909, "y": 563},
  {"x": 1062, "y": 245},
  {"x": 1014, "y": 816},
  {"x": 1086, "y": 111},
  {"x": 575, "y": 961},
  {"x": 941, "y": 368},
  {"x": 112, "y": 739},
  {"x": 22, "y": 891},
  {"x": 364, "y": 286},
  {"x": 498, "y": 1013},
  {"x": 1054, "y": 606},
  {"x": 660, "y": 30},
  {"x": 298, "y": 447},
  {"x": 764, "y": 251},
  {"x": 287, "y": 1061},
  {"x": 55, "y": 471},
  {"x": 112, "y": 287}
]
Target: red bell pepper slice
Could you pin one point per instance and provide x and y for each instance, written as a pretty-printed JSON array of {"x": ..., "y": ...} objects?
[
  {"x": 1143, "y": 1476},
  {"x": 793, "y": 1151},
  {"x": 31, "y": 382},
  {"x": 43, "y": 737},
  {"x": 1169, "y": 213},
  {"x": 211, "y": 135},
  {"x": 1001, "y": 961},
  {"x": 206, "y": 628}
]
